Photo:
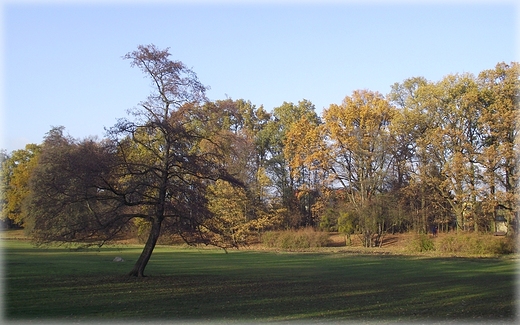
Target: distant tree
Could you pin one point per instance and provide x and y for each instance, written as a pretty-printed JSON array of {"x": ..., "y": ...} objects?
[
  {"x": 457, "y": 143},
  {"x": 17, "y": 169},
  {"x": 5, "y": 222},
  {"x": 448, "y": 148},
  {"x": 409, "y": 125},
  {"x": 500, "y": 97},
  {"x": 361, "y": 155},
  {"x": 285, "y": 182},
  {"x": 305, "y": 151},
  {"x": 239, "y": 213},
  {"x": 235, "y": 223}
]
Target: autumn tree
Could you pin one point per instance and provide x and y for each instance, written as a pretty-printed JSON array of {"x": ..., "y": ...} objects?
[
  {"x": 361, "y": 154},
  {"x": 16, "y": 171},
  {"x": 448, "y": 146},
  {"x": 285, "y": 182},
  {"x": 500, "y": 95},
  {"x": 235, "y": 222},
  {"x": 306, "y": 152},
  {"x": 239, "y": 213},
  {"x": 414, "y": 193},
  {"x": 461, "y": 133},
  {"x": 439, "y": 122},
  {"x": 442, "y": 153},
  {"x": 254, "y": 121}
]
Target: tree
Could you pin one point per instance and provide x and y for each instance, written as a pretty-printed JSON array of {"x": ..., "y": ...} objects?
[
  {"x": 16, "y": 171},
  {"x": 408, "y": 126},
  {"x": 439, "y": 122},
  {"x": 169, "y": 158},
  {"x": 285, "y": 183},
  {"x": 305, "y": 151},
  {"x": 156, "y": 167},
  {"x": 235, "y": 222},
  {"x": 346, "y": 226},
  {"x": 449, "y": 146},
  {"x": 500, "y": 95},
  {"x": 361, "y": 154},
  {"x": 71, "y": 198}
]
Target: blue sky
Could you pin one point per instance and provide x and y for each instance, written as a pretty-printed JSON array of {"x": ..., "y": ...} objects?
[{"x": 62, "y": 62}]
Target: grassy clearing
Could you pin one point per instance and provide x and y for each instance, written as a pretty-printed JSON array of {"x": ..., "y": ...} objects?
[{"x": 209, "y": 285}]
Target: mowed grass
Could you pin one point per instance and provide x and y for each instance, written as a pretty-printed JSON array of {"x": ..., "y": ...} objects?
[{"x": 209, "y": 285}]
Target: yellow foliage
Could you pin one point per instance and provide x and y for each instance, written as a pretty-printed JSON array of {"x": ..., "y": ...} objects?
[
  {"x": 19, "y": 167},
  {"x": 305, "y": 145},
  {"x": 232, "y": 225}
]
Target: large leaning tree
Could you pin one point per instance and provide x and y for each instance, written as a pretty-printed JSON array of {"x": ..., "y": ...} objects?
[{"x": 155, "y": 166}]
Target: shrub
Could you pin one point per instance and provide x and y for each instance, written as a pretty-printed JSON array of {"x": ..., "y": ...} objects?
[
  {"x": 475, "y": 244},
  {"x": 421, "y": 243},
  {"x": 450, "y": 244},
  {"x": 506, "y": 246},
  {"x": 295, "y": 240},
  {"x": 269, "y": 238}
]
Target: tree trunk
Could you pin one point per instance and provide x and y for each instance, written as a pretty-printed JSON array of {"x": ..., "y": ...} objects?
[{"x": 141, "y": 263}]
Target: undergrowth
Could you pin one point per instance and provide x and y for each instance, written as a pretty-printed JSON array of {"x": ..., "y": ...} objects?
[
  {"x": 470, "y": 244},
  {"x": 421, "y": 243},
  {"x": 295, "y": 240},
  {"x": 476, "y": 244}
]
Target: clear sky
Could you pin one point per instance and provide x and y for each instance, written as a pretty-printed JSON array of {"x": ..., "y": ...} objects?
[{"x": 62, "y": 62}]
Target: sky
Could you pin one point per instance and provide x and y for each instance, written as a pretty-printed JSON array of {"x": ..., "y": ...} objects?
[{"x": 62, "y": 60}]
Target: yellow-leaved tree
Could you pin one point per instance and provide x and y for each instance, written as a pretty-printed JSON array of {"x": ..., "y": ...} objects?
[
  {"x": 500, "y": 95},
  {"x": 361, "y": 156},
  {"x": 16, "y": 172},
  {"x": 235, "y": 222}
]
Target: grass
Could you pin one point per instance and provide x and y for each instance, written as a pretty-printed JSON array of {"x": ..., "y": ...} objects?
[{"x": 209, "y": 285}]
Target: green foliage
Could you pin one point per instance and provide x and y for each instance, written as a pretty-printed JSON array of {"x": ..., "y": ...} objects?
[
  {"x": 346, "y": 223},
  {"x": 295, "y": 240},
  {"x": 328, "y": 220}
]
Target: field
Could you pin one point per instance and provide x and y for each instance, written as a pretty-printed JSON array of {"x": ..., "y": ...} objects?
[{"x": 250, "y": 285}]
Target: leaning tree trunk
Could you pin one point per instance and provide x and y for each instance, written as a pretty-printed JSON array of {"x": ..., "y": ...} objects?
[{"x": 141, "y": 263}]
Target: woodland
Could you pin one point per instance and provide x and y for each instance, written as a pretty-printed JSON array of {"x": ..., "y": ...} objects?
[{"x": 429, "y": 156}]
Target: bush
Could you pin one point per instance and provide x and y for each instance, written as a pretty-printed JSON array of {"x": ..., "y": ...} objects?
[
  {"x": 450, "y": 244},
  {"x": 295, "y": 240},
  {"x": 421, "y": 243},
  {"x": 475, "y": 244},
  {"x": 506, "y": 246}
]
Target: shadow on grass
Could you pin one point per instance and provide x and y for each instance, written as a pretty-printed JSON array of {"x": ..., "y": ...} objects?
[{"x": 191, "y": 284}]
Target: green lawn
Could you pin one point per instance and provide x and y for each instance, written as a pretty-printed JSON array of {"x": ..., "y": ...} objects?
[{"x": 209, "y": 285}]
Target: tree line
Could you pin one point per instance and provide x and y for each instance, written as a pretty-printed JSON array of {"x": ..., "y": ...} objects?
[{"x": 428, "y": 154}]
